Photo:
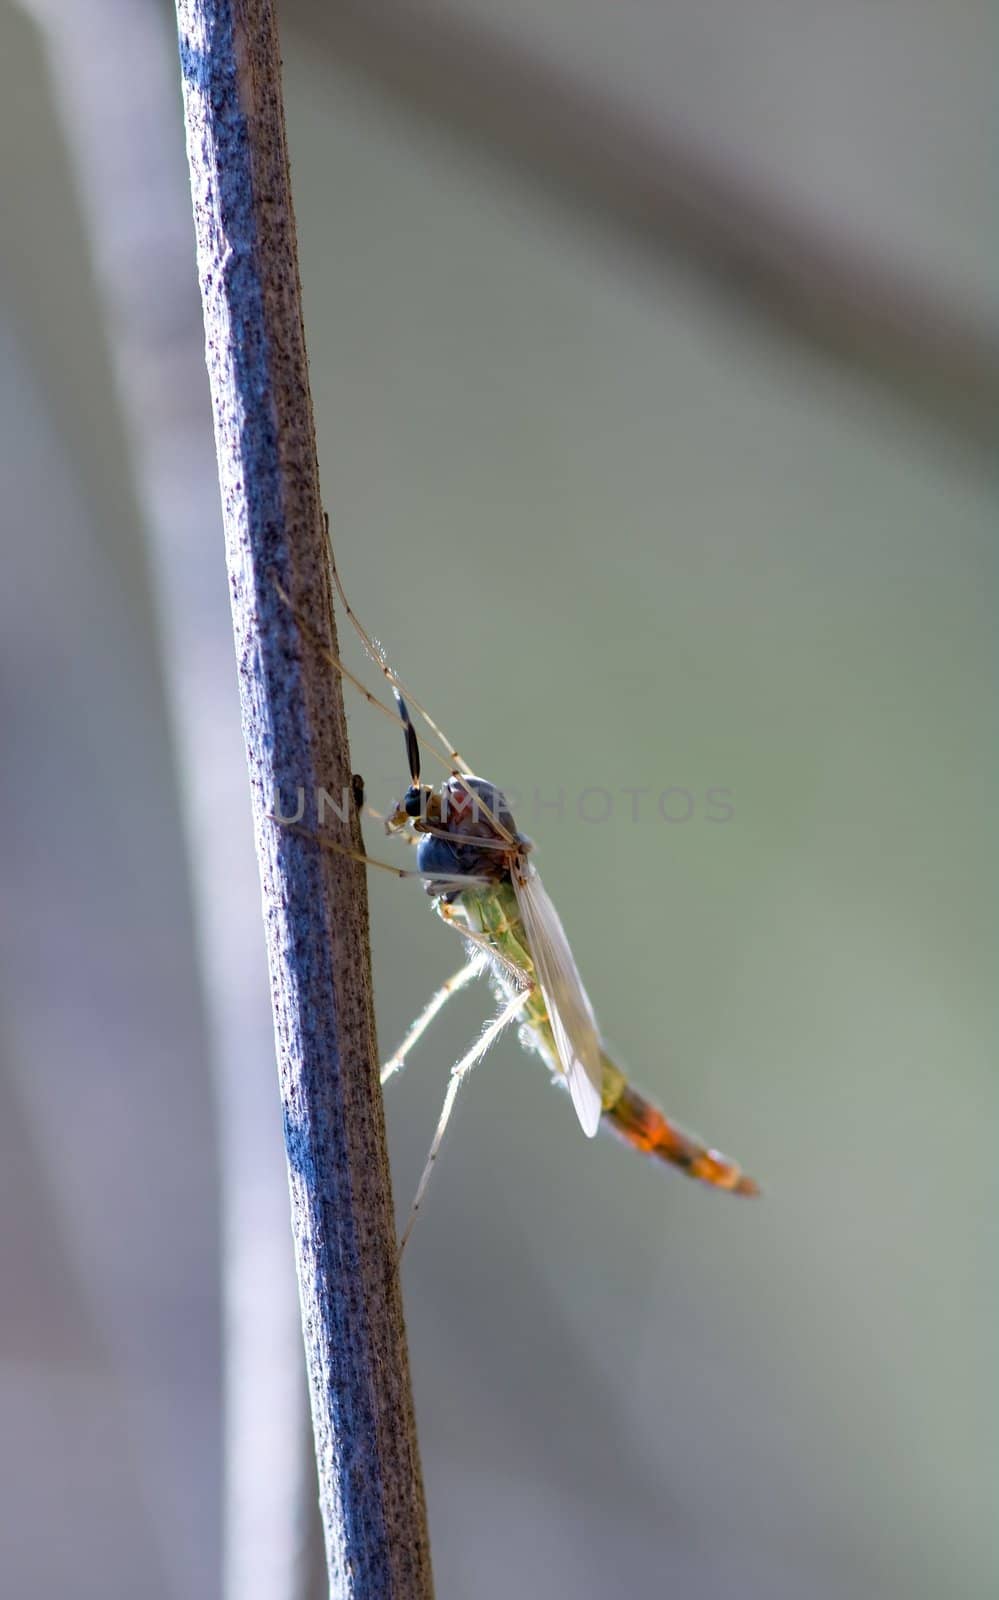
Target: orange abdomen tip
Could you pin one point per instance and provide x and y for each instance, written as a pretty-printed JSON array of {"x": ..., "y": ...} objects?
[{"x": 642, "y": 1125}]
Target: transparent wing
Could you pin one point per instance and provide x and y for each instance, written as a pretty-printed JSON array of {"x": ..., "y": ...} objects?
[{"x": 569, "y": 1009}]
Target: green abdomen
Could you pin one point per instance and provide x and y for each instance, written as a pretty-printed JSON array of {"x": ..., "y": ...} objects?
[{"x": 495, "y": 913}]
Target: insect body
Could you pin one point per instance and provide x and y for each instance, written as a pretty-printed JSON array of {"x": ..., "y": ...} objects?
[
  {"x": 467, "y": 833},
  {"x": 477, "y": 868}
]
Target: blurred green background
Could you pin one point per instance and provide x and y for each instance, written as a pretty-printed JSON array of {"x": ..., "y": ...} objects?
[{"x": 619, "y": 531}]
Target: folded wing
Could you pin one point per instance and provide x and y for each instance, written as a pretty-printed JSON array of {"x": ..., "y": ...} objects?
[{"x": 568, "y": 1005}]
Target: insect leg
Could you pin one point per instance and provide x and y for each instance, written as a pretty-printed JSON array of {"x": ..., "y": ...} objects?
[
  {"x": 465, "y": 974},
  {"x": 458, "y": 1072},
  {"x": 449, "y": 920},
  {"x": 345, "y": 672},
  {"x": 378, "y": 657},
  {"x": 370, "y": 861},
  {"x": 463, "y": 769},
  {"x": 334, "y": 661}
]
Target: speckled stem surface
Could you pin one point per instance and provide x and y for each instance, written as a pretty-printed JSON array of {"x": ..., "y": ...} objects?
[{"x": 314, "y": 901}]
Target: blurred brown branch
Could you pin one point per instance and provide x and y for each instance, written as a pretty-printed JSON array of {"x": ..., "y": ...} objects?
[{"x": 677, "y": 205}]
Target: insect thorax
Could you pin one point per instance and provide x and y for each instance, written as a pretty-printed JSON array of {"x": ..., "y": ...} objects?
[{"x": 467, "y": 810}]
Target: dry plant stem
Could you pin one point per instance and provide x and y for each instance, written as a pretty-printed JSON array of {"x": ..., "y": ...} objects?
[{"x": 315, "y": 905}]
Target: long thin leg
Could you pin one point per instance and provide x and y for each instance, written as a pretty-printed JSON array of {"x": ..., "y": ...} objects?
[
  {"x": 465, "y": 974},
  {"x": 456, "y": 761},
  {"x": 458, "y": 1072},
  {"x": 345, "y": 672},
  {"x": 378, "y": 657},
  {"x": 452, "y": 837},
  {"x": 422, "y": 830},
  {"x": 454, "y": 882},
  {"x": 449, "y": 920}
]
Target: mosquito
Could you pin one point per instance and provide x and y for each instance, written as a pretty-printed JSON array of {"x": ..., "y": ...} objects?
[{"x": 479, "y": 872}]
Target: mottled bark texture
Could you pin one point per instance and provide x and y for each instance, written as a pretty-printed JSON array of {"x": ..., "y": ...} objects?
[{"x": 314, "y": 901}]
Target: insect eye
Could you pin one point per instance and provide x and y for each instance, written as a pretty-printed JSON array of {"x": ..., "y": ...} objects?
[{"x": 413, "y": 802}]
